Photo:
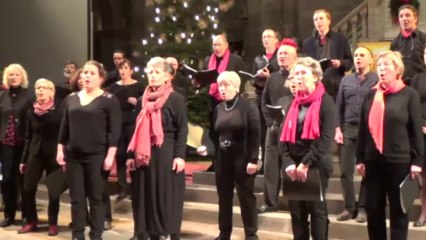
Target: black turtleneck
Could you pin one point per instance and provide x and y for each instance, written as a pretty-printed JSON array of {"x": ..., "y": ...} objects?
[{"x": 273, "y": 91}]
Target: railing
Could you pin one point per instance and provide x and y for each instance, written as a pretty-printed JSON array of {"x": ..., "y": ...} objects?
[{"x": 354, "y": 25}]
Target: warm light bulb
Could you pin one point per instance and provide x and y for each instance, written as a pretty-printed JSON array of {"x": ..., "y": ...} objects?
[
  {"x": 182, "y": 35},
  {"x": 144, "y": 42},
  {"x": 160, "y": 41},
  {"x": 197, "y": 17},
  {"x": 174, "y": 19},
  {"x": 189, "y": 41},
  {"x": 208, "y": 8},
  {"x": 157, "y": 19},
  {"x": 185, "y": 4},
  {"x": 136, "y": 69},
  {"x": 157, "y": 10}
]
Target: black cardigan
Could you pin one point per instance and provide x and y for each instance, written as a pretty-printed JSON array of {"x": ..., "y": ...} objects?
[{"x": 402, "y": 133}]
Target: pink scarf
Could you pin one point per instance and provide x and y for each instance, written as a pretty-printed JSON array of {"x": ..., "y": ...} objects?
[
  {"x": 406, "y": 34},
  {"x": 311, "y": 129},
  {"x": 40, "y": 109},
  {"x": 149, "y": 128},
  {"x": 214, "y": 88},
  {"x": 377, "y": 112}
]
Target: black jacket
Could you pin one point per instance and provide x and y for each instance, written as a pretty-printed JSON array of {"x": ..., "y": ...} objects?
[
  {"x": 339, "y": 49},
  {"x": 19, "y": 107},
  {"x": 260, "y": 62},
  {"x": 42, "y": 133},
  {"x": 402, "y": 130},
  {"x": 411, "y": 49}
]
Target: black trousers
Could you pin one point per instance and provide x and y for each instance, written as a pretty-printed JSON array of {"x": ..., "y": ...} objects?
[
  {"x": 272, "y": 168},
  {"x": 230, "y": 170},
  {"x": 121, "y": 157},
  {"x": 12, "y": 180},
  {"x": 262, "y": 126},
  {"x": 383, "y": 179},
  {"x": 35, "y": 167},
  {"x": 347, "y": 169},
  {"x": 86, "y": 178},
  {"x": 317, "y": 210}
]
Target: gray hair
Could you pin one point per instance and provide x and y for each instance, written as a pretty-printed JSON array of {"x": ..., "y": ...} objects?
[
  {"x": 310, "y": 63},
  {"x": 231, "y": 77},
  {"x": 159, "y": 62}
]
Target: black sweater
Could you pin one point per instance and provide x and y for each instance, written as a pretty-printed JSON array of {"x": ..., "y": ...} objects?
[
  {"x": 93, "y": 128},
  {"x": 315, "y": 153},
  {"x": 123, "y": 92},
  {"x": 42, "y": 133},
  {"x": 241, "y": 125},
  {"x": 260, "y": 62},
  {"x": 418, "y": 82},
  {"x": 402, "y": 133},
  {"x": 273, "y": 91}
]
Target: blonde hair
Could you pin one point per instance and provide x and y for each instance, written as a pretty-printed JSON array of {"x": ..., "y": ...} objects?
[
  {"x": 21, "y": 69},
  {"x": 49, "y": 84},
  {"x": 396, "y": 59},
  {"x": 230, "y": 77},
  {"x": 310, "y": 63},
  {"x": 327, "y": 13}
]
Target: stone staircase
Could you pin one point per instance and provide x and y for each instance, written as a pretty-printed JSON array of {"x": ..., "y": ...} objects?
[{"x": 201, "y": 206}]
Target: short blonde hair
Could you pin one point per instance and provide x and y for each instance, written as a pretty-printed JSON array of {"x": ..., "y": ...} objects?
[
  {"x": 327, "y": 13},
  {"x": 21, "y": 69},
  {"x": 49, "y": 84},
  {"x": 310, "y": 63},
  {"x": 396, "y": 59},
  {"x": 230, "y": 77}
]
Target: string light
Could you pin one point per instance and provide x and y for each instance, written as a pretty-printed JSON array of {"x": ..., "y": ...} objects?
[
  {"x": 189, "y": 40},
  {"x": 185, "y": 4},
  {"x": 152, "y": 35},
  {"x": 160, "y": 41},
  {"x": 208, "y": 8},
  {"x": 157, "y": 19},
  {"x": 174, "y": 19},
  {"x": 183, "y": 35},
  {"x": 136, "y": 69},
  {"x": 215, "y": 25},
  {"x": 197, "y": 17},
  {"x": 157, "y": 10},
  {"x": 144, "y": 42},
  {"x": 216, "y": 10}
]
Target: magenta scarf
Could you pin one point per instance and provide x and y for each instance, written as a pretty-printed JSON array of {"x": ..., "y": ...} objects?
[
  {"x": 214, "y": 88},
  {"x": 311, "y": 125},
  {"x": 149, "y": 128},
  {"x": 40, "y": 109}
]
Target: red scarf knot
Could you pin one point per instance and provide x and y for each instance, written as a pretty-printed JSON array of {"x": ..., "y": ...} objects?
[{"x": 214, "y": 88}]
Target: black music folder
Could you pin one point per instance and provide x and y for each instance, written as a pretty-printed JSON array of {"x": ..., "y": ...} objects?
[
  {"x": 325, "y": 63},
  {"x": 204, "y": 77},
  {"x": 311, "y": 190},
  {"x": 409, "y": 190},
  {"x": 56, "y": 183},
  {"x": 276, "y": 112}
]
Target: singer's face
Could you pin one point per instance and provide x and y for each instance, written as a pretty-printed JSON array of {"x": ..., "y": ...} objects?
[
  {"x": 14, "y": 77},
  {"x": 321, "y": 22},
  {"x": 304, "y": 79},
  {"x": 407, "y": 19},
  {"x": 269, "y": 39},
  {"x": 227, "y": 90},
  {"x": 43, "y": 91},
  {"x": 362, "y": 58},
  {"x": 91, "y": 78},
  {"x": 219, "y": 46},
  {"x": 286, "y": 56},
  {"x": 125, "y": 71},
  {"x": 156, "y": 76},
  {"x": 69, "y": 69},
  {"x": 387, "y": 72}
]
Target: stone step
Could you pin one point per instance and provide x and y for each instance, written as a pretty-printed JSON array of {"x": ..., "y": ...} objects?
[
  {"x": 335, "y": 203},
  {"x": 208, "y": 178},
  {"x": 280, "y": 222}
]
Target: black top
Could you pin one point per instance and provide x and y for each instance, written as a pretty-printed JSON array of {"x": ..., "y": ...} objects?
[
  {"x": 112, "y": 77},
  {"x": 337, "y": 48},
  {"x": 315, "y": 153},
  {"x": 93, "y": 128},
  {"x": 351, "y": 94},
  {"x": 412, "y": 49},
  {"x": 42, "y": 133},
  {"x": 235, "y": 63},
  {"x": 418, "y": 82},
  {"x": 260, "y": 62},
  {"x": 123, "y": 92},
  {"x": 402, "y": 133},
  {"x": 14, "y": 101},
  {"x": 273, "y": 91},
  {"x": 174, "y": 120},
  {"x": 238, "y": 121}
]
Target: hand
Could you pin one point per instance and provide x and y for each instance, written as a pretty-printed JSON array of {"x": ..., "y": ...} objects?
[
  {"x": 424, "y": 130},
  {"x": 302, "y": 172},
  {"x": 361, "y": 169},
  {"x": 291, "y": 172},
  {"x": 202, "y": 151},
  {"x": 195, "y": 83},
  {"x": 178, "y": 165},
  {"x": 415, "y": 171},
  {"x": 264, "y": 72},
  {"x": 338, "y": 137},
  {"x": 251, "y": 168},
  {"x": 335, "y": 63},
  {"x": 22, "y": 168},
  {"x": 60, "y": 160},
  {"x": 132, "y": 100},
  {"x": 130, "y": 165},
  {"x": 108, "y": 163}
]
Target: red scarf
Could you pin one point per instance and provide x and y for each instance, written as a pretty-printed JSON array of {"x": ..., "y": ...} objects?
[
  {"x": 377, "y": 111},
  {"x": 40, "y": 109},
  {"x": 149, "y": 128},
  {"x": 406, "y": 34},
  {"x": 214, "y": 88},
  {"x": 311, "y": 129}
]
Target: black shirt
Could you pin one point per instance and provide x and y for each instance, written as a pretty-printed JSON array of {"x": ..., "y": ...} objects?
[
  {"x": 402, "y": 130},
  {"x": 351, "y": 94},
  {"x": 92, "y": 128},
  {"x": 260, "y": 62},
  {"x": 123, "y": 92}
]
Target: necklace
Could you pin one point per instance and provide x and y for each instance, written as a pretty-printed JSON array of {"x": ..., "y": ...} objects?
[{"x": 233, "y": 105}]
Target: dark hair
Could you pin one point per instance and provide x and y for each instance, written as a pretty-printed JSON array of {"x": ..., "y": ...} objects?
[
  {"x": 119, "y": 51},
  {"x": 408, "y": 6},
  {"x": 169, "y": 69},
  {"x": 99, "y": 66},
  {"x": 125, "y": 61},
  {"x": 73, "y": 82},
  {"x": 277, "y": 34},
  {"x": 71, "y": 62}
]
